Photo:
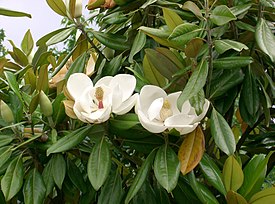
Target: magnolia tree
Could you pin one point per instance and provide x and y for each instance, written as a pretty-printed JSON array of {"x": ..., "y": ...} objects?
[{"x": 168, "y": 101}]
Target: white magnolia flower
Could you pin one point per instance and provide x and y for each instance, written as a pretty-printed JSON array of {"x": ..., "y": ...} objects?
[
  {"x": 94, "y": 103},
  {"x": 158, "y": 111}
]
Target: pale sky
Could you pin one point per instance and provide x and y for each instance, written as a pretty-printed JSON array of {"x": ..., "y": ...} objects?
[{"x": 43, "y": 20}]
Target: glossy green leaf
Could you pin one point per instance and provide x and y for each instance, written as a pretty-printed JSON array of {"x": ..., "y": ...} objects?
[
  {"x": 240, "y": 9},
  {"x": 60, "y": 36},
  {"x": 5, "y": 140},
  {"x": 265, "y": 39},
  {"x": 12, "y": 180},
  {"x": 11, "y": 13},
  {"x": 232, "y": 62},
  {"x": 268, "y": 3},
  {"x": 77, "y": 66},
  {"x": 146, "y": 194},
  {"x": 43, "y": 81},
  {"x": 232, "y": 173},
  {"x": 48, "y": 36},
  {"x": 114, "y": 41},
  {"x": 183, "y": 33},
  {"x": 19, "y": 57},
  {"x": 266, "y": 196},
  {"x": 34, "y": 188},
  {"x": 34, "y": 103},
  {"x": 112, "y": 68},
  {"x": 47, "y": 176},
  {"x": 5, "y": 153},
  {"x": 222, "y": 133},
  {"x": 99, "y": 164},
  {"x": 212, "y": 173},
  {"x": 138, "y": 44},
  {"x": 222, "y": 15},
  {"x": 222, "y": 46},
  {"x": 112, "y": 191},
  {"x": 198, "y": 101},
  {"x": 58, "y": 169},
  {"x": 254, "y": 175},
  {"x": 27, "y": 43},
  {"x": 202, "y": 192},
  {"x": 195, "y": 83},
  {"x": 70, "y": 140},
  {"x": 115, "y": 18},
  {"x": 167, "y": 167},
  {"x": 58, "y": 6},
  {"x": 172, "y": 19},
  {"x": 140, "y": 177},
  {"x": 124, "y": 122},
  {"x": 191, "y": 6},
  {"x": 227, "y": 80},
  {"x": 152, "y": 74},
  {"x": 76, "y": 176},
  {"x": 235, "y": 198},
  {"x": 81, "y": 47}
]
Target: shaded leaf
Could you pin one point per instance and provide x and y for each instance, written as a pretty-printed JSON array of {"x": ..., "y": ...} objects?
[
  {"x": 193, "y": 47},
  {"x": 232, "y": 62},
  {"x": 191, "y": 6},
  {"x": 172, "y": 19},
  {"x": 138, "y": 44},
  {"x": 58, "y": 169},
  {"x": 235, "y": 198}
]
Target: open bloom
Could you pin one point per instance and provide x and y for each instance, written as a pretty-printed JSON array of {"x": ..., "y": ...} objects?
[
  {"x": 158, "y": 111},
  {"x": 94, "y": 103}
]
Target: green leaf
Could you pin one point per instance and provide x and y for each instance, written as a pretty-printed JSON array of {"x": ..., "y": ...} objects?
[
  {"x": 167, "y": 167},
  {"x": 222, "y": 46},
  {"x": 112, "y": 191},
  {"x": 195, "y": 83},
  {"x": 12, "y": 180},
  {"x": 124, "y": 122},
  {"x": 152, "y": 74},
  {"x": 43, "y": 81},
  {"x": 60, "y": 36},
  {"x": 212, "y": 173},
  {"x": 268, "y": 3},
  {"x": 235, "y": 198},
  {"x": 27, "y": 43},
  {"x": 58, "y": 169},
  {"x": 70, "y": 140},
  {"x": 5, "y": 153},
  {"x": 19, "y": 57},
  {"x": 76, "y": 176},
  {"x": 34, "y": 188},
  {"x": 265, "y": 39},
  {"x": 13, "y": 84},
  {"x": 58, "y": 6},
  {"x": 172, "y": 19},
  {"x": 222, "y": 15},
  {"x": 99, "y": 164},
  {"x": 114, "y": 41},
  {"x": 11, "y": 13},
  {"x": 232, "y": 173},
  {"x": 198, "y": 101},
  {"x": 227, "y": 80},
  {"x": 5, "y": 140},
  {"x": 191, "y": 6},
  {"x": 138, "y": 44},
  {"x": 232, "y": 62},
  {"x": 47, "y": 175},
  {"x": 183, "y": 33},
  {"x": 203, "y": 193},
  {"x": 48, "y": 36},
  {"x": 240, "y": 9},
  {"x": 77, "y": 66},
  {"x": 113, "y": 67},
  {"x": 222, "y": 133},
  {"x": 140, "y": 177},
  {"x": 254, "y": 175},
  {"x": 266, "y": 196}
]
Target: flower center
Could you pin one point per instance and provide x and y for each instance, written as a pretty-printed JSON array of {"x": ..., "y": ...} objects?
[
  {"x": 99, "y": 96},
  {"x": 165, "y": 111}
]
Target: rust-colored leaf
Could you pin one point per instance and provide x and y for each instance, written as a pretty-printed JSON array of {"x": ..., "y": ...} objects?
[
  {"x": 191, "y": 150},
  {"x": 193, "y": 47}
]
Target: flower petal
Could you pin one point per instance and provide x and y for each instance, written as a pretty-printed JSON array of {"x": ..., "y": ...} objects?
[
  {"x": 186, "y": 128},
  {"x": 77, "y": 83},
  {"x": 179, "y": 120},
  {"x": 148, "y": 94},
  {"x": 154, "y": 127},
  {"x": 187, "y": 108},
  {"x": 99, "y": 116},
  {"x": 154, "y": 109},
  {"x": 104, "y": 81},
  {"x": 116, "y": 97},
  {"x": 126, "y": 106},
  {"x": 78, "y": 110},
  {"x": 205, "y": 109},
  {"x": 126, "y": 84},
  {"x": 172, "y": 98}
]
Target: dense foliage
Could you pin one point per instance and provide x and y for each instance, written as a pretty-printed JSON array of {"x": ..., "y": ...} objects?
[{"x": 199, "y": 127}]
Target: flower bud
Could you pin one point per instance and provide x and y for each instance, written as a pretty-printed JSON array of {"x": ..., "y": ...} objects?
[
  {"x": 93, "y": 4},
  {"x": 74, "y": 8},
  {"x": 45, "y": 104},
  {"x": 6, "y": 112}
]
